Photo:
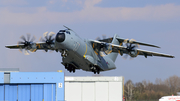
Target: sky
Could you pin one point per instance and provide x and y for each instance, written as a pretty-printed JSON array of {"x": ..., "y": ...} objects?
[{"x": 152, "y": 21}]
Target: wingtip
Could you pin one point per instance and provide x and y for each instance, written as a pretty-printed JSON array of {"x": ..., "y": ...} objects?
[
  {"x": 155, "y": 46},
  {"x": 6, "y": 46}
]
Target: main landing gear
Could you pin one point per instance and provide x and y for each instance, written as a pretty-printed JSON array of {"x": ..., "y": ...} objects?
[
  {"x": 70, "y": 68},
  {"x": 95, "y": 70}
]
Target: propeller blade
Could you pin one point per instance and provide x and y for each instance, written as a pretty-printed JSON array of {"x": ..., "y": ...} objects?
[
  {"x": 20, "y": 50},
  {"x": 130, "y": 46},
  {"x": 138, "y": 45},
  {"x": 104, "y": 36},
  {"x": 23, "y": 38},
  {"x": 125, "y": 56},
  {"x": 51, "y": 51},
  {"x": 126, "y": 41},
  {"x": 127, "y": 45},
  {"x": 131, "y": 58},
  {"x": 53, "y": 39},
  {"x": 20, "y": 42},
  {"x": 98, "y": 38},
  {"x": 28, "y": 36},
  {"x": 131, "y": 40},
  {"x": 45, "y": 35},
  {"x": 41, "y": 39},
  {"x": 26, "y": 52},
  {"x": 33, "y": 38},
  {"x": 33, "y": 50},
  {"x": 133, "y": 47},
  {"x": 51, "y": 35}
]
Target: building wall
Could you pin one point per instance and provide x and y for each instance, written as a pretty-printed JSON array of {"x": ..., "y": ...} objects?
[
  {"x": 94, "y": 88},
  {"x": 32, "y": 86}
]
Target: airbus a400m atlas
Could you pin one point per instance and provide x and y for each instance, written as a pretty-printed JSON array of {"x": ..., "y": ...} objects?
[{"x": 89, "y": 55}]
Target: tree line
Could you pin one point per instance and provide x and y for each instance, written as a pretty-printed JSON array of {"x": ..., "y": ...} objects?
[{"x": 147, "y": 90}]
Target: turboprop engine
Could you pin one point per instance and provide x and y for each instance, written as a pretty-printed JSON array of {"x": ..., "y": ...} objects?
[
  {"x": 131, "y": 48},
  {"x": 133, "y": 53}
]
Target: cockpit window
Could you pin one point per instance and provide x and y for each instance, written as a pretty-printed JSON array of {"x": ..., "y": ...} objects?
[
  {"x": 68, "y": 32},
  {"x": 62, "y": 31}
]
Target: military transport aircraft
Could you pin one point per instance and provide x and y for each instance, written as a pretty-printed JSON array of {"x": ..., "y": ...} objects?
[{"x": 89, "y": 55}]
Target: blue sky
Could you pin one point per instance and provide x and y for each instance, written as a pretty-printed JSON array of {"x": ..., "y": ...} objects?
[{"x": 156, "y": 22}]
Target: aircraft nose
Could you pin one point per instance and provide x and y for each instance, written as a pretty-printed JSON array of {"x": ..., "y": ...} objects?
[{"x": 60, "y": 37}]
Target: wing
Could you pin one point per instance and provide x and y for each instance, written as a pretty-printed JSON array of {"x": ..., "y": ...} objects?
[
  {"x": 132, "y": 41},
  {"x": 121, "y": 49},
  {"x": 150, "y": 53},
  {"x": 34, "y": 46},
  {"x": 15, "y": 46}
]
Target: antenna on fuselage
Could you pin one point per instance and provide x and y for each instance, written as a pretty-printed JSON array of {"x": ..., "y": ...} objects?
[
  {"x": 70, "y": 29},
  {"x": 67, "y": 27}
]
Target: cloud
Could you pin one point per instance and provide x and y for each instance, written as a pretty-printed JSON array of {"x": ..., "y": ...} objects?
[
  {"x": 90, "y": 3},
  {"x": 91, "y": 13},
  {"x": 12, "y": 2}
]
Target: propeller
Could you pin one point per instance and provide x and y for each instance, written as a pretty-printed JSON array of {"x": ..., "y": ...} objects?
[
  {"x": 130, "y": 48},
  {"x": 48, "y": 39},
  {"x": 104, "y": 37},
  {"x": 28, "y": 44},
  {"x": 131, "y": 42},
  {"x": 126, "y": 56},
  {"x": 105, "y": 47}
]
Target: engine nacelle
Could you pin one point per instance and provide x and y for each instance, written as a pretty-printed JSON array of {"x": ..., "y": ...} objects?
[
  {"x": 32, "y": 47},
  {"x": 133, "y": 53}
]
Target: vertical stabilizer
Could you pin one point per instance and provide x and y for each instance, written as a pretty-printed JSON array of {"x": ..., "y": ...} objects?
[{"x": 113, "y": 55}]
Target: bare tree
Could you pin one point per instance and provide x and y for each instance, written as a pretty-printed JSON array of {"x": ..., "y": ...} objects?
[
  {"x": 147, "y": 90},
  {"x": 129, "y": 89},
  {"x": 158, "y": 81},
  {"x": 173, "y": 83}
]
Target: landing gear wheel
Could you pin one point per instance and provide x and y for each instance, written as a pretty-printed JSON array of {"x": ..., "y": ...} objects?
[
  {"x": 73, "y": 70},
  {"x": 70, "y": 68},
  {"x": 98, "y": 72},
  {"x": 95, "y": 69}
]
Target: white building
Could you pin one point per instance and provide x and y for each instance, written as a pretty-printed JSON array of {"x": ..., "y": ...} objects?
[{"x": 94, "y": 88}]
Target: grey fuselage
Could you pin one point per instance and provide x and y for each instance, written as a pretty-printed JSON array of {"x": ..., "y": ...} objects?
[{"x": 80, "y": 52}]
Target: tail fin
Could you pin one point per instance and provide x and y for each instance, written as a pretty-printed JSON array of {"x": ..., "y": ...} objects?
[{"x": 113, "y": 55}]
